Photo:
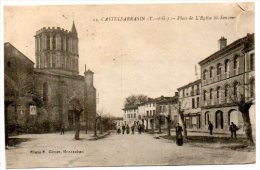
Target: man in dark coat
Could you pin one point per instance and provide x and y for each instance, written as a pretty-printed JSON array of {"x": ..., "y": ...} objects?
[
  {"x": 233, "y": 129},
  {"x": 179, "y": 138},
  {"x": 210, "y": 128},
  {"x": 123, "y": 129},
  {"x": 139, "y": 128},
  {"x": 133, "y": 129},
  {"x": 127, "y": 129}
]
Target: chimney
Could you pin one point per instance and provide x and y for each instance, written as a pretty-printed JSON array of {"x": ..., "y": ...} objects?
[{"x": 222, "y": 43}]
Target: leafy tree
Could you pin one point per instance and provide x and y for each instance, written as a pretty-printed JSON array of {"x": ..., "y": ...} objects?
[
  {"x": 135, "y": 99},
  {"x": 17, "y": 84}
]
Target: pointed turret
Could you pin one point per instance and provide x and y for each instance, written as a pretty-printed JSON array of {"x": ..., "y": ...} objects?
[{"x": 73, "y": 28}]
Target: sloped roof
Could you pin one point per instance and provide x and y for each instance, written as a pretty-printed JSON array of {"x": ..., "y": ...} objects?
[
  {"x": 245, "y": 40},
  {"x": 9, "y": 45}
]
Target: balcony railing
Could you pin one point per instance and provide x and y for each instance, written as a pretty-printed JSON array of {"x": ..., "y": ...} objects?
[
  {"x": 222, "y": 76},
  {"x": 212, "y": 102},
  {"x": 227, "y": 100}
]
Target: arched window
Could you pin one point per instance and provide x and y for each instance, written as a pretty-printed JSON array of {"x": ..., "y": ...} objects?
[
  {"x": 236, "y": 62},
  {"x": 210, "y": 93},
  {"x": 219, "y": 120},
  {"x": 252, "y": 88},
  {"x": 218, "y": 92},
  {"x": 227, "y": 65},
  {"x": 48, "y": 42},
  {"x": 205, "y": 95},
  {"x": 61, "y": 43},
  {"x": 206, "y": 118},
  {"x": 218, "y": 69},
  {"x": 227, "y": 71},
  {"x": 54, "y": 42},
  {"x": 211, "y": 69},
  {"x": 198, "y": 102},
  {"x": 204, "y": 74},
  {"x": 235, "y": 88},
  {"x": 226, "y": 90},
  {"x": 252, "y": 61}
]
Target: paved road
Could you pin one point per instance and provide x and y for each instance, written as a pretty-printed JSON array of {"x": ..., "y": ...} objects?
[{"x": 116, "y": 150}]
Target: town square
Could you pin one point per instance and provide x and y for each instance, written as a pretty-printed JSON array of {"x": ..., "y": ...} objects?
[{"x": 129, "y": 85}]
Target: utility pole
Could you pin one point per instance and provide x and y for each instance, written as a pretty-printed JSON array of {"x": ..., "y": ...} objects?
[{"x": 196, "y": 73}]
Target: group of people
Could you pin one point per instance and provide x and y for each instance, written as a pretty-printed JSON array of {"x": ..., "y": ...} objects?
[
  {"x": 232, "y": 128},
  {"x": 126, "y": 129},
  {"x": 179, "y": 139}
]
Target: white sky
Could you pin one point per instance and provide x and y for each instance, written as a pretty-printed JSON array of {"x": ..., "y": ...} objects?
[{"x": 152, "y": 58}]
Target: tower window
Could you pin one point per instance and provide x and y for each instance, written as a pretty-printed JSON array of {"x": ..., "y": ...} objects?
[
  {"x": 54, "y": 42},
  {"x": 61, "y": 43},
  {"x": 48, "y": 42}
]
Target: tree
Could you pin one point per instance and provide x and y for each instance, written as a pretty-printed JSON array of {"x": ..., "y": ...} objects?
[
  {"x": 169, "y": 122},
  {"x": 133, "y": 100},
  {"x": 76, "y": 104},
  {"x": 180, "y": 107},
  {"x": 77, "y": 122},
  {"x": 152, "y": 124},
  {"x": 95, "y": 128},
  {"x": 160, "y": 118},
  {"x": 236, "y": 93},
  {"x": 17, "y": 84},
  {"x": 238, "y": 96},
  {"x": 243, "y": 107}
]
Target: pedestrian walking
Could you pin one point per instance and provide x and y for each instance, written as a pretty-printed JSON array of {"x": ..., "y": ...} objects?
[
  {"x": 62, "y": 129},
  {"x": 133, "y": 129},
  {"x": 179, "y": 138},
  {"x": 127, "y": 129},
  {"x": 139, "y": 128},
  {"x": 233, "y": 129},
  {"x": 118, "y": 131},
  {"x": 123, "y": 129},
  {"x": 142, "y": 127},
  {"x": 210, "y": 128}
]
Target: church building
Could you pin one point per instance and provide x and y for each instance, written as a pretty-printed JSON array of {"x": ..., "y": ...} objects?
[{"x": 58, "y": 89}]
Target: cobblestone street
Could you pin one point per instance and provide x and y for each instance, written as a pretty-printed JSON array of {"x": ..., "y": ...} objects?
[{"x": 47, "y": 150}]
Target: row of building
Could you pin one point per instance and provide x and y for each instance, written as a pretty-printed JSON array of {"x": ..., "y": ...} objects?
[{"x": 226, "y": 76}]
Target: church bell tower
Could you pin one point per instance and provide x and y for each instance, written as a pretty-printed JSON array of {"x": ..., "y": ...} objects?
[{"x": 56, "y": 50}]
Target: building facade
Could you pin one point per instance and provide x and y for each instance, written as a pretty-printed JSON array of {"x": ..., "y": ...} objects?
[
  {"x": 167, "y": 109},
  {"x": 58, "y": 89},
  {"x": 226, "y": 75},
  {"x": 18, "y": 80},
  {"x": 148, "y": 113},
  {"x": 189, "y": 99},
  {"x": 130, "y": 115}
]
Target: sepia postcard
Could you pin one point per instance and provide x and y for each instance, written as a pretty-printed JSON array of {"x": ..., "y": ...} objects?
[{"x": 129, "y": 85}]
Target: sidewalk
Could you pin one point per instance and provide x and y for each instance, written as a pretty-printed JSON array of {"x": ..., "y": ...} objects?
[
  {"x": 49, "y": 137},
  {"x": 199, "y": 133}
]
